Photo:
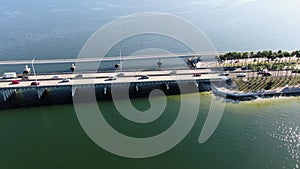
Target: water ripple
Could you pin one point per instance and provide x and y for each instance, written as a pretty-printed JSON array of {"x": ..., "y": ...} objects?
[{"x": 289, "y": 134}]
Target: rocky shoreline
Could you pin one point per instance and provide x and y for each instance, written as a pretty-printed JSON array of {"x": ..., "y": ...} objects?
[{"x": 227, "y": 93}]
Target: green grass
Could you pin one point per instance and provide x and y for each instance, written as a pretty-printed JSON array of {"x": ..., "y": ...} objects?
[{"x": 265, "y": 83}]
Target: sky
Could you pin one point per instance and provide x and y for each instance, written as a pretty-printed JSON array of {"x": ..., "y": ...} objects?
[{"x": 60, "y": 27}]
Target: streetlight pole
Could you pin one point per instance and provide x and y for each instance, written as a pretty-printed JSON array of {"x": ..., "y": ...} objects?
[{"x": 33, "y": 69}]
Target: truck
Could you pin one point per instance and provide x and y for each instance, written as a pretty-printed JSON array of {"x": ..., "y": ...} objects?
[{"x": 9, "y": 75}]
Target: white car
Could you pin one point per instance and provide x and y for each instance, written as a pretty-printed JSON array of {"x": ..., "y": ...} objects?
[
  {"x": 121, "y": 74},
  {"x": 224, "y": 74},
  {"x": 9, "y": 75},
  {"x": 112, "y": 78},
  {"x": 55, "y": 77},
  {"x": 65, "y": 80},
  {"x": 241, "y": 75},
  {"x": 173, "y": 72}
]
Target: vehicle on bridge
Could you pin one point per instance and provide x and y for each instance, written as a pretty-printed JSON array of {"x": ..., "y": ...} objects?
[
  {"x": 267, "y": 74},
  {"x": 112, "y": 78},
  {"x": 196, "y": 74},
  {"x": 121, "y": 74},
  {"x": 229, "y": 68},
  {"x": 224, "y": 74},
  {"x": 15, "y": 82},
  {"x": 19, "y": 74},
  {"x": 241, "y": 75},
  {"x": 55, "y": 77},
  {"x": 144, "y": 77},
  {"x": 9, "y": 75},
  {"x": 65, "y": 80},
  {"x": 35, "y": 83}
]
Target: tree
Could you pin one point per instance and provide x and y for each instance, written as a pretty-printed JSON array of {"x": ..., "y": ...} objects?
[
  {"x": 296, "y": 73},
  {"x": 297, "y": 54},
  {"x": 253, "y": 71},
  {"x": 287, "y": 55},
  {"x": 245, "y": 56},
  {"x": 286, "y": 71},
  {"x": 292, "y": 71},
  {"x": 258, "y": 56},
  {"x": 280, "y": 56},
  {"x": 274, "y": 56},
  {"x": 281, "y": 66}
]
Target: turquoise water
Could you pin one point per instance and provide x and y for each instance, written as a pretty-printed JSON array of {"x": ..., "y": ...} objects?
[{"x": 259, "y": 134}]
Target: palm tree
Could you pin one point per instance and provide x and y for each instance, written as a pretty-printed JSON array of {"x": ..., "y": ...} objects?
[
  {"x": 280, "y": 56},
  {"x": 257, "y": 69},
  {"x": 274, "y": 56},
  {"x": 251, "y": 55},
  {"x": 281, "y": 69},
  {"x": 296, "y": 73},
  {"x": 253, "y": 71},
  {"x": 245, "y": 56},
  {"x": 286, "y": 71},
  {"x": 297, "y": 53},
  {"x": 277, "y": 68},
  {"x": 258, "y": 55},
  {"x": 292, "y": 71},
  {"x": 287, "y": 55}
]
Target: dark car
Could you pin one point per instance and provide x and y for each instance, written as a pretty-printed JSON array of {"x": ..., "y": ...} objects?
[
  {"x": 245, "y": 68},
  {"x": 196, "y": 74},
  {"x": 144, "y": 77},
  {"x": 229, "y": 68},
  {"x": 267, "y": 74},
  {"x": 35, "y": 83},
  {"x": 20, "y": 74},
  {"x": 296, "y": 71},
  {"x": 112, "y": 78}
]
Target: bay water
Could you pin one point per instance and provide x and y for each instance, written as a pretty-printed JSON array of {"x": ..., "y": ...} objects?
[{"x": 258, "y": 134}]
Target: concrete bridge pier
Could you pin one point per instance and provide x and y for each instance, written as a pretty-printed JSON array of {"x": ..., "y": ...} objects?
[
  {"x": 7, "y": 94},
  {"x": 105, "y": 90},
  {"x": 136, "y": 88},
  {"x": 74, "y": 91},
  {"x": 167, "y": 86},
  {"x": 197, "y": 84},
  {"x": 40, "y": 92}
]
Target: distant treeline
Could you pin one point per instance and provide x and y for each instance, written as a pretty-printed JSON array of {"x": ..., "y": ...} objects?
[{"x": 271, "y": 55}]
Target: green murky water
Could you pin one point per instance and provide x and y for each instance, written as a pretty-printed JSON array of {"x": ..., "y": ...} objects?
[{"x": 259, "y": 134}]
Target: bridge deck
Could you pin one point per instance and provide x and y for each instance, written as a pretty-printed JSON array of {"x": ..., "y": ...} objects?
[{"x": 102, "y": 78}]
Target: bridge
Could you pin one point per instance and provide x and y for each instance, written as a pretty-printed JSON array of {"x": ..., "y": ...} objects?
[
  {"x": 34, "y": 94},
  {"x": 137, "y": 57}
]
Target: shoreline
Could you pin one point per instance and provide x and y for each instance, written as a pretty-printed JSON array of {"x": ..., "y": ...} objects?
[{"x": 235, "y": 95}]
